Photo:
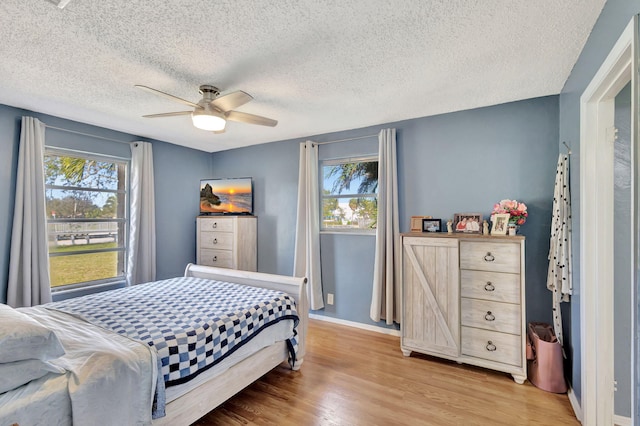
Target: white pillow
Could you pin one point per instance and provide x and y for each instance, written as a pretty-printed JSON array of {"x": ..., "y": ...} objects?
[
  {"x": 22, "y": 337},
  {"x": 15, "y": 374}
]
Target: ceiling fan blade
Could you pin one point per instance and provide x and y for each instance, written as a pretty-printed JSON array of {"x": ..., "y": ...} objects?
[
  {"x": 168, "y": 114},
  {"x": 243, "y": 117},
  {"x": 166, "y": 95},
  {"x": 232, "y": 100}
]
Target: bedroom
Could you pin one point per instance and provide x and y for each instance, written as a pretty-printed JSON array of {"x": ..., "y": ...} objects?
[{"x": 513, "y": 154}]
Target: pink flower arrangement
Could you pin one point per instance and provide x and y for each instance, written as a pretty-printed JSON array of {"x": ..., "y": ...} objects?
[{"x": 517, "y": 211}]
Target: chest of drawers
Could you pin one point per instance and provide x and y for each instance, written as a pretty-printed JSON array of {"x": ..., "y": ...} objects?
[
  {"x": 227, "y": 242},
  {"x": 463, "y": 298}
]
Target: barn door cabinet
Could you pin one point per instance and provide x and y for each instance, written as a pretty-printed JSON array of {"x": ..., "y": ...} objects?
[{"x": 463, "y": 299}]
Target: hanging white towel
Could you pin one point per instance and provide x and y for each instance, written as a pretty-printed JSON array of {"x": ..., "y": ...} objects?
[{"x": 559, "y": 273}]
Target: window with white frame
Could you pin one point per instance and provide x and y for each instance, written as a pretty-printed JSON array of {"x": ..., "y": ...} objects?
[
  {"x": 86, "y": 199},
  {"x": 349, "y": 194}
]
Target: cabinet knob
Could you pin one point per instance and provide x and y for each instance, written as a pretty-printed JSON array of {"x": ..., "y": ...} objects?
[
  {"x": 489, "y": 286},
  {"x": 215, "y": 241},
  {"x": 490, "y": 346},
  {"x": 215, "y": 258},
  {"x": 489, "y": 316},
  {"x": 489, "y": 257},
  {"x": 215, "y": 225}
]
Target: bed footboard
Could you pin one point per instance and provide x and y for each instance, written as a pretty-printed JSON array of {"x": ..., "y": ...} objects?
[
  {"x": 198, "y": 402},
  {"x": 296, "y": 287}
]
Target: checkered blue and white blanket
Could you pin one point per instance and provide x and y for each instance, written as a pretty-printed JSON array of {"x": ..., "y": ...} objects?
[{"x": 193, "y": 323}]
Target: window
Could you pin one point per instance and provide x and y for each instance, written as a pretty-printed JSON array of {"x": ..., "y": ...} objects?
[
  {"x": 86, "y": 199},
  {"x": 349, "y": 194}
]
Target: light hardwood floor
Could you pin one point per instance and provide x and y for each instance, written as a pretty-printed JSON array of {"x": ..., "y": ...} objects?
[{"x": 356, "y": 377}]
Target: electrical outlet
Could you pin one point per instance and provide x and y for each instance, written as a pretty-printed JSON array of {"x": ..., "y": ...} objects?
[{"x": 329, "y": 298}]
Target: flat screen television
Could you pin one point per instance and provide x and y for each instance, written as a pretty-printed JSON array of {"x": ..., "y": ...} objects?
[{"x": 226, "y": 196}]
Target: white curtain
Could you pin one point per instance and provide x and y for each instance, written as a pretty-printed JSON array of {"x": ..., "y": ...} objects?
[
  {"x": 385, "y": 300},
  {"x": 141, "y": 259},
  {"x": 29, "y": 282},
  {"x": 559, "y": 272},
  {"x": 306, "y": 262}
]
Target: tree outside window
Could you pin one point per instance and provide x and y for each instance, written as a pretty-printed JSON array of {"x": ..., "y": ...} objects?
[{"x": 349, "y": 194}]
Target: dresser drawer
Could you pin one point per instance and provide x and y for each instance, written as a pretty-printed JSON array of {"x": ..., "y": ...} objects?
[
  {"x": 496, "y": 286},
  {"x": 490, "y": 256},
  {"x": 492, "y": 346},
  {"x": 496, "y": 316},
  {"x": 225, "y": 225},
  {"x": 219, "y": 258},
  {"x": 217, "y": 240}
]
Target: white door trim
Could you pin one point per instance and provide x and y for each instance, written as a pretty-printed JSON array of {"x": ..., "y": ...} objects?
[{"x": 596, "y": 241}]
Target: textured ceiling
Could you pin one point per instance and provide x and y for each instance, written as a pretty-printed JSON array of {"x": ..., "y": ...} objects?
[{"x": 315, "y": 66}]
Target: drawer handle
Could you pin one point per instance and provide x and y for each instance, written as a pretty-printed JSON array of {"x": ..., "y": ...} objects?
[
  {"x": 489, "y": 257},
  {"x": 489, "y": 286},
  {"x": 489, "y": 316},
  {"x": 215, "y": 225},
  {"x": 215, "y": 241},
  {"x": 215, "y": 258},
  {"x": 490, "y": 346}
]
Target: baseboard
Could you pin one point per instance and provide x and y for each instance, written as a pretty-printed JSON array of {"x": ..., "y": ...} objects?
[
  {"x": 360, "y": 325},
  {"x": 575, "y": 404},
  {"x": 622, "y": 421}
]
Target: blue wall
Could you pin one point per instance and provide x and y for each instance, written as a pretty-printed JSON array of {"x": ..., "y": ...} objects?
[
  {"x": 274, "y": 168},
  {"x": 459, "y": 162},
  {"x": 177, "y": 173},
  {"x": 612, "y": 21},
  {"x": 623, "y": 261},
  {"x": 10, "y": 131}
]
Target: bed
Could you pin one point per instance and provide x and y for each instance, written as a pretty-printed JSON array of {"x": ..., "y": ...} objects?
[{"x": 99, "y": 363}]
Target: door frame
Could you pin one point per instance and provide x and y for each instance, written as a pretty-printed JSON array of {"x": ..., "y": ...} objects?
[{"x": 596, "y": 207}]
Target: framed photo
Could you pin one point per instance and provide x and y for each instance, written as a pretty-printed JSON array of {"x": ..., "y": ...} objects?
[
  {"x": 431, "y": 225},
  {"x": 416, "y": 223},
  {"x": 500, "y": 224},
  {"x": 470, "y": 223}
]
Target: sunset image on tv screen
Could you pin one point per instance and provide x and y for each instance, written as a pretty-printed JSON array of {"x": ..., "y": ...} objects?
[{"x": 226, "y": 196}]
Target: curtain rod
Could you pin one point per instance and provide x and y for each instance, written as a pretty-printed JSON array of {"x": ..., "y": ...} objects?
[
  {"x": 345, "y": 140},
  {"x": 85, "y": 134}
]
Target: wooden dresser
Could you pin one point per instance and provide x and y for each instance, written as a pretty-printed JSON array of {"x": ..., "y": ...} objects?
[
  {"x": 463, "y": 298},
  {"x": 227, "y": 242}
]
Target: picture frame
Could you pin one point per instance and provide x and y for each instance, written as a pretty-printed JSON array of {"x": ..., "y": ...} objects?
[
  {"x": 469, "y": 223},
  {"x": 431, "y": 225},
  {"x": 416, "y": 223},
  {"x": 500, "y": 224}
]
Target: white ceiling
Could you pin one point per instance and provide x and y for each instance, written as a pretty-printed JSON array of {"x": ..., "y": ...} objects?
[{"x": 315, "y": 66}]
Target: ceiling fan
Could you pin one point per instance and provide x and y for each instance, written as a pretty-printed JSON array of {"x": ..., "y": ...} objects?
[{"x": 212, "y": 111}]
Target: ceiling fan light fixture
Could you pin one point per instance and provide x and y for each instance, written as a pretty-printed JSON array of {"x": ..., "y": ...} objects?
[
  {"x": 208, "y": 120},
  {"x": 212, "y": 112}
]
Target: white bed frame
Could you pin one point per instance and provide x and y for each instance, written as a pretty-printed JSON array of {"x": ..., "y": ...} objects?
[{"x": 196, "y": 403}]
